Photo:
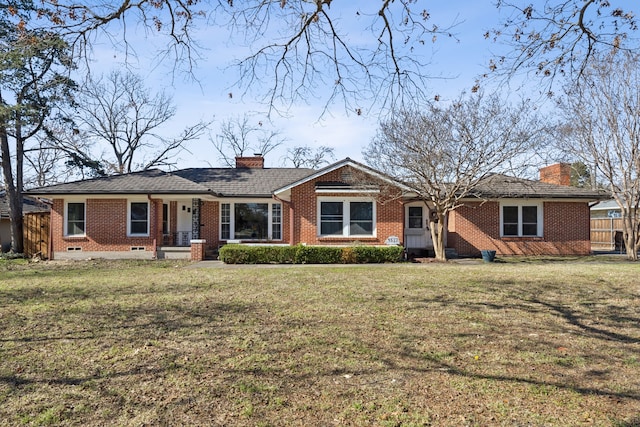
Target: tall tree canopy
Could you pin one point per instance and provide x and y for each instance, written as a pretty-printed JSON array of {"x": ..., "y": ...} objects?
[{"x": 33, "y": 82}]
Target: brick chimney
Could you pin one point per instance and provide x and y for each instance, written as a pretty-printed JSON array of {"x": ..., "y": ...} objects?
[
  {"x": 558, "y": 174},
  {"x": 255, "y": 162}
]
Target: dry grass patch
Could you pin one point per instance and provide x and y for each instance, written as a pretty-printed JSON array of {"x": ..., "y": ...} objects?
[{"x": 435, "y": 344}]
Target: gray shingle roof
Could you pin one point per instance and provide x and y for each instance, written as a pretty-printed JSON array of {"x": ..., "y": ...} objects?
[
  {"x": 503, "y": 186},
  {"x": 150, "y": 181},
  {"x": 29, "y": 205},
  {"x": 214, "y": 181},
  {"x": 244, "y": 182}
]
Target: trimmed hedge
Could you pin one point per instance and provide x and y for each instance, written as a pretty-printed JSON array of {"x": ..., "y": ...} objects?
[{"x": 301, "y": 254}]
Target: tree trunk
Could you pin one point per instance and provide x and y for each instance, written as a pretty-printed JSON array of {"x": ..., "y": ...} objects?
[
  {"x": 14, "y": 196},
  {"x": 437, "y": 236},
  {"x": 630, "y": 234}
]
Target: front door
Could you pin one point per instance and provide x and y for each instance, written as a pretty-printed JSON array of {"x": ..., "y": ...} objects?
[
  {"x": 183, "y": 224},
  {"x": 417, "y": 237}
]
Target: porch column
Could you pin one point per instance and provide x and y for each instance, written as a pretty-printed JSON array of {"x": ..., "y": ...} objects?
[
  {"x": 195, "y": 219},
  {"x": 197, "y": 249}
]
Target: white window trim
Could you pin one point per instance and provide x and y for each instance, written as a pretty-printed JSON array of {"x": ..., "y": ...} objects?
[
  {"x": 425, "y": 214},
  {"x": 232, "y": 218},
  {"x": 346, "y": 217},
  {"x": 129, "y": 233},
  {"x": 66, "y": 218},
  {"x": 520, "y": 204}
]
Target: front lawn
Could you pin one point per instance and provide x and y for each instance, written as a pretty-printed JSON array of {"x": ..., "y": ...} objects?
[{"x": 156, "y": 343}]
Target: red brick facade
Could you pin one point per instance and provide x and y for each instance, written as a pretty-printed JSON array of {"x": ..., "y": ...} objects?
[
  {"x": 471, "y": 228},
  {"x": 475, "y": 227},
  {"x": 105, "y": 228},
  {"x": 389, "y": 216}
]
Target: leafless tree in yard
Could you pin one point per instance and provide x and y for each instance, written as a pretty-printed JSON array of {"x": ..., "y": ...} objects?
[
  {"x": 240, "y": 136},
  {"x": 122, "y": 121},
  {"x": 602, "y": 128},
  {"x": 307, "y": 157},
  {"x": 443, "y": 152},
  {"x": 556, "y": 38}
]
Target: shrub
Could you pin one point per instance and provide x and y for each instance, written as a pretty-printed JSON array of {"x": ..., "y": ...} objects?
[
  {"x": 318, "y": 255},
  {"x": 300, "y": 254}
]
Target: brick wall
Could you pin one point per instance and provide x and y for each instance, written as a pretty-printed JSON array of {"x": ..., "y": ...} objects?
[
  {"x": 105, "y": 227},
  {"x": 475, "y": 227},
  {"x": 210, "y": 218},
  {"x": 389, "y": 216}
]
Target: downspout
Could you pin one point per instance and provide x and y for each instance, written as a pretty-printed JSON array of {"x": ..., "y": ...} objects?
[{"x": 291, "y": 225}]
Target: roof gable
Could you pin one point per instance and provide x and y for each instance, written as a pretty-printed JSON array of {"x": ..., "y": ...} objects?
[{"x": 340, "y": 164}]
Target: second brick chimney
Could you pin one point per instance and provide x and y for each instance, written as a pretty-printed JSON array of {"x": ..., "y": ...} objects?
[
  {"x": 558, "y": 174},
  {"x": 253, "y": 162}
]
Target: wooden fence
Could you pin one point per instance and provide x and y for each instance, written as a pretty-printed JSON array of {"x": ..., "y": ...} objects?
[
  {"x": 606, "y": 234},
  {"x": 36, "y": 234}
]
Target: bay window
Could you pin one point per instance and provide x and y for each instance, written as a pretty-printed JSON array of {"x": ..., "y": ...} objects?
[{"x": 250, "y": 221}]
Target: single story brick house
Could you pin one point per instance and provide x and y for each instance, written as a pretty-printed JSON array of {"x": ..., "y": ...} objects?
[{"x": 189, "y": 212}]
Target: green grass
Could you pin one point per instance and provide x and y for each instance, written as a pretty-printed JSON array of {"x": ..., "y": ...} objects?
[{"x": 155, "y": 343}]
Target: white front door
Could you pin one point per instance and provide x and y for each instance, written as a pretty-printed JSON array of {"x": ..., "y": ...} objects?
[
  {"x": 183, "y": 223},
  {"x": 417, "y": 237}
]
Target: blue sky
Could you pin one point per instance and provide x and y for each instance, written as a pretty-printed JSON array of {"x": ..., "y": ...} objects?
[{"x": 454, "y": 63}]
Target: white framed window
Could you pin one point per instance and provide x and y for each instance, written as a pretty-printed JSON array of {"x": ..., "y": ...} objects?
[
  {"x": 138, "y": 219},
  {"x": 519, "y": 219},
  {"x": 352, "y": 217},
  {"x": 415, "y": 217},
  {"x": 276, "y": 221},
  {"x": 75, "y": 221},
  {"x": 250, "y": 220}
]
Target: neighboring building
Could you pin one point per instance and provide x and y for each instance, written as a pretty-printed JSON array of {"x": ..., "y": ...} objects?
[
  {"x": 154, "y": 213},
  {"x": 29, "y": 206}
]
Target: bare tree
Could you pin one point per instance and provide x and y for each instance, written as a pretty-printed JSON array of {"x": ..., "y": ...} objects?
[
  {"x": 602, "y": 117},
  {"x": 307, "y": 157},
  {"x": 387, "y": 65},
  {"x": 239, "y": 137},
  {"x": 296, "y": 46},
  {"x": 556, "y": 38},
  {"x": 123, "y": 122},
  {"x": 442, "y": 153}
]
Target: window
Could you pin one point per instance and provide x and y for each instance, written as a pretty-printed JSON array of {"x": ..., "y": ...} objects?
[
  {"x": 276, "y": 221},
  {"x": 139, "y": 218},
  {"x": 331, "y": 218},
  {"x": 521, "y": 220},
  {"x": 75, "y": 224},
  {"x": 225, "y": 221},
  {"x": 361, "y": 218},
  {"x": 165, "y": 219},
  {"x": 346, "y": 218},
  {"x": 251, "y": 221},
  {"x": 415, "y": 217}
]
